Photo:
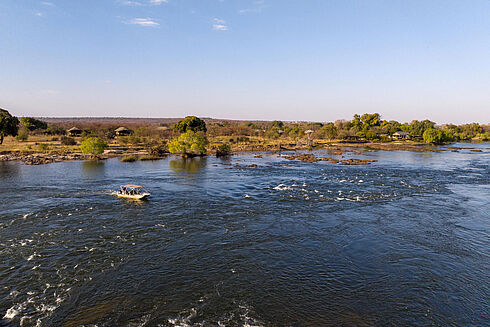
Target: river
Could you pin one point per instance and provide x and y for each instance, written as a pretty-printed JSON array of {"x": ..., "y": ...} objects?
[{"x": 404, "y": 241}]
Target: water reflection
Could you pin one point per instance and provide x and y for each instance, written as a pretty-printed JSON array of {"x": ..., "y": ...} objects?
[
  {"x": 93, "y": 168},
  {"x": 188, "y": 165},
  {"x": 8, "y": 169}
]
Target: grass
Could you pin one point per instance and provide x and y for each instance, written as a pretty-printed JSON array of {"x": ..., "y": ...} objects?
[
  {"x": 129, "y": 159},
  {"x": 150, "y": 157}
]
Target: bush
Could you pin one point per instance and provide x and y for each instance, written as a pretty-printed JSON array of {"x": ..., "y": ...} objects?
[
  {"x": 66, "y": 140},
  {"x": 149, "y": 157},
  {"x": 93, "y": 146},
  {"x": 129, "y": 159},
  {"x": 55, "y": 130},
  {"x": 189, "y": 143},
  {"x": 223, "y": 150},
  {"x": 158, "y": 150},
  {"x": 43, "y": 147},
  {"x": 23, "y": 135}
]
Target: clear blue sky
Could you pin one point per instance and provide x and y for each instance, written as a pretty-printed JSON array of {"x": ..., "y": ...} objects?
[{"x": 247, "y": 59}]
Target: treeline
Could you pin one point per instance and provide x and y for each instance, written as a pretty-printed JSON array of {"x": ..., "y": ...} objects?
[
  {"x": 362, "y": 128},
  {"x": 367, "y": 127}
]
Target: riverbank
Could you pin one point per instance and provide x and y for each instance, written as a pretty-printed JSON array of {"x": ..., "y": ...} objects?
[{"x": 337, "y": 149}]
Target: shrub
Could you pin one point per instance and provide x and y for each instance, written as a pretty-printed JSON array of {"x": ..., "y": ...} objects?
[
  {"x": 66, "y": 140},
  {"x": 23, "y": 135},
  {"x": 188, "y": 143},
  {"x": 129, "y": 159},
  {"x": 223, "y": 150},
  {"x": 149, "y": 157},
  {"x": 55, "y": 130},
  {"x": 93, "y": 146},
  {"x": 158, "y": 150},
  {"x": 43, "y": 147}
]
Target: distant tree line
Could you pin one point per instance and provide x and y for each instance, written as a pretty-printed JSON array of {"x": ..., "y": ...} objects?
[{"x": 189, "y": 136}]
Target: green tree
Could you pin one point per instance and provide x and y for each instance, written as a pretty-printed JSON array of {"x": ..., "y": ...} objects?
[
  {"x": 434, "y": 136},
  {"x": 223, "y": 150},
  {"x": 93, "y": 146},
  {"x": 356, "y": 122},
  {"x": 55, "y": 130},
  {"x": 328, "y": 131},
  {"x": 33, "y": 123},
  {"x": 370, "y": 120},
  {"x": 391, "y": 126},
  {"x": 417, "y": 128},
  {"x": 9, "y": 125},
  {"x": 277, "y": 124},
  {"x": 188, "y": 144},
  {"x": 190, "y": 123}
]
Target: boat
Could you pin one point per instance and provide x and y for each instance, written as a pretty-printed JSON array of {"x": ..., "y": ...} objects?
[{"x": 130, "y": 191}]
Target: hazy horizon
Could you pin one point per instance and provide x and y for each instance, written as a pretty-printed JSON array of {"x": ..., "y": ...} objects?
[{"x": 288, "y": 60}]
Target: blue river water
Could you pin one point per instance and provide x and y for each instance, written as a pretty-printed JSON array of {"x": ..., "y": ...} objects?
[{"x": 404, "y": 241}]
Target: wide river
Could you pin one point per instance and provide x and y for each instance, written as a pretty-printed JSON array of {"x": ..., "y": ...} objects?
[{"x": 404, "y": 241}]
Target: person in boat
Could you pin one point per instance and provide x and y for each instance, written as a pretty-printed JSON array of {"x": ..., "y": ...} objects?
[{"x": 123, "y": 190}]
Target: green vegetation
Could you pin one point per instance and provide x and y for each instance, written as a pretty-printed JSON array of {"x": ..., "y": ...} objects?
[
  {"x": 43, "y": 147},
  {"x": 93, "y": 146},
  {"x": 190, "y": 123},
  {"x": 129, "y": 159},
  {"x": 33, "y": 124},
  {"x": 149, "y": 157},
  {"x": 193, "y": 136},
  {"x": 188, "y": 144},
  {"x": 9, "y": 125},
  {"x": 55, "y": 130},
  {"x": 66, "y": 140},
  {"x": 22, "y": 135},
  {"x": 223, "y": 150}
]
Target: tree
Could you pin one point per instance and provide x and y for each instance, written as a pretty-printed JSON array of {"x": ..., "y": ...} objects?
[
  {"x": 190, "y": 123},
  {"x": 417, "y": 128},
  {"x": 328, "y": 131},
  {"x": 434, "y": 136},
  {"x": 188, "y": 144},
  {"x": 55, "y": 130},
  {"x": 391, "y": 126},
  {"x": 223, "y": 150},
  {"x": 33, "y": 123},
  {"x": 93, "y": 146},
  {"x": 277, "y": 124},
  {"x": 9, "y": 125},
  {"x": 370, "y": 120}
]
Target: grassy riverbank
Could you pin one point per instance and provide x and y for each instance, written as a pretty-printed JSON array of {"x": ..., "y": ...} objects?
[{"x": 42, "y": 149}]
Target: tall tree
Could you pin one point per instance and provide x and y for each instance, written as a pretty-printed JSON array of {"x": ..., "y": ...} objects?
[
  {"x": 190, "y": 123},
  {"x": 9, "y": 125},
  {"x": 33, "y": 123}
]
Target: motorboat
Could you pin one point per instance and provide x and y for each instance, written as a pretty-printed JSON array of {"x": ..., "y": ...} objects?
[{"x": 130, "y": 191}]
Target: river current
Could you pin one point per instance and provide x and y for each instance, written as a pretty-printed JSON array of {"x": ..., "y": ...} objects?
[{"x": 404, "y": 241}]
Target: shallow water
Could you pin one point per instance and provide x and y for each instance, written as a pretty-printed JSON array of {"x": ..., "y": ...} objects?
[{"x": 401, "y": 242}]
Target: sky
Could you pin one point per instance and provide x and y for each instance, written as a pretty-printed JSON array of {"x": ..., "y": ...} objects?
[{"x": 293, "y": 60}]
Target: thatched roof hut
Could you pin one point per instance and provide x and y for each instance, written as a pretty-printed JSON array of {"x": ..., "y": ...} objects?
[
  {"x": 74, "y": 131},
  {"x": 123, "y": 131}
]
